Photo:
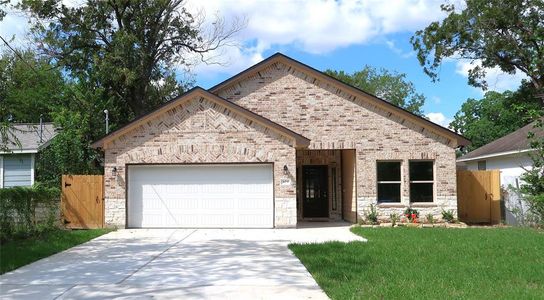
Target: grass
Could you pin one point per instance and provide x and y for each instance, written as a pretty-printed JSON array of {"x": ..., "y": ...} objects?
[
  {"x": 434, "y": 263},
  {"x": 17, "y": 253}
]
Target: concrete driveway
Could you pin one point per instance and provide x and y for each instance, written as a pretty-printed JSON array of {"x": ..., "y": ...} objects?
[{"x": 177, "y": 263}]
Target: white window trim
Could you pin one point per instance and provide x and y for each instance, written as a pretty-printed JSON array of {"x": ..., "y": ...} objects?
[
  {"x": 385, "y": 182},
  {"x": 32, "y": 163},
  {"x": 1, "y": 171},
  {"x": 423, "y": 181}
]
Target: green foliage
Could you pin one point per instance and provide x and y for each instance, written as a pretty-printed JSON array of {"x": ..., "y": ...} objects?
[
  {"x": 430, "y": 218},
  {"x": 371, "y": 215},
  {"x": 504, "y": 34},
  {"x": 448, "y": 216},
  {"x": 390, "y": 86},
  {"x": 127, "y": 52},
  {"x": 395, "y": 218},
  {"x": 411, "y": 214},
  {"x": 30, "y": 87},
  {"x": 532, "y": 189},
  {"x": 26, "y": 210},
  {"x": 494, "y": 116}
]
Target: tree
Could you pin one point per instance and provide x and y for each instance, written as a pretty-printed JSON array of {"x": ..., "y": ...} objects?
[
  {"x": 128, "y": 51},
  {"x": 393, "y": 87},
  {"x": 494, "y": 116},
  {"x": 30, "y": 87},
  {"x": 497, "y": 33}
]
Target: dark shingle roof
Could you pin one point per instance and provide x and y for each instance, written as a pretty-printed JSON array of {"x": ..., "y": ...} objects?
[
  {"x": 28, "y": 136},
  {"x": 515, "y": 141}
]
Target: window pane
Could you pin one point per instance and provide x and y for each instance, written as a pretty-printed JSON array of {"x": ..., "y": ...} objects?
[
  {"x": 389, "y": 171},
  {"x": 421, "y": 170},
  {"x": 421, "y": 192},
  {"x": 482, "y": 165},
  {"x": 389, "y": 192}
]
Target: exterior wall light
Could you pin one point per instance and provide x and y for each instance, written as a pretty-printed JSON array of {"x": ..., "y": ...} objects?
[{"x": 285, "y": 169}]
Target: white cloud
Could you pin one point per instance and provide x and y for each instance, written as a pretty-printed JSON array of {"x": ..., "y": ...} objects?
[
  {"x": 439, "y": 118},
  {"x": 496, "y": 79},
  {"x": 316, "y": 27}
]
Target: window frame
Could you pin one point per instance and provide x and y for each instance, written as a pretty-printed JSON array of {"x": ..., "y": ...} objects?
[
  {"x": 399, "y": 182},
  {"x": 433, "y": 182}
]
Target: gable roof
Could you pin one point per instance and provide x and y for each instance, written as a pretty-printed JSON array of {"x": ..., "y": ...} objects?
[
  {"x": 511, "y": 143},
  {"x": 278, "y": 57},
  {"x": 300, "y": 141},
  {"x": 30, "y": 137}
]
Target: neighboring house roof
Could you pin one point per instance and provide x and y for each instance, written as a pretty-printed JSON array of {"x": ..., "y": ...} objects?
[
  {"x": 300, "y": 141},
  {"x": 29, "y": 137},
  {"x": 512, "y": 143},
  {"x": 278, "y": 57}
]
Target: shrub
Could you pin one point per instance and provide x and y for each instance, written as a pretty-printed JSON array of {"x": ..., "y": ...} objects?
[
  {"x": 394, "y": 219},
  {"x": 27, "y": 210},
  {"x": 411, "y": 214},
  {"x": 372, "y": 215},
  {"x": 447, "y": 215},
  {"x": 430, "y": 218}
]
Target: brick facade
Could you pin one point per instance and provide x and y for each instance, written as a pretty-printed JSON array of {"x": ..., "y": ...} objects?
[
  {"x": 199, "y": 131},
  {"x": 334, "y": 119}
]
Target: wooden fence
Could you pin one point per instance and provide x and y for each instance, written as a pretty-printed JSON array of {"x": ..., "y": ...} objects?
[
  {"x": 478, "y": 196},
  {"x": 82, "y": 201}
]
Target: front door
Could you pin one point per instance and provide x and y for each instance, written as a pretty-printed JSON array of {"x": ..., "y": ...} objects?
[{"x": 315, "y": 203}]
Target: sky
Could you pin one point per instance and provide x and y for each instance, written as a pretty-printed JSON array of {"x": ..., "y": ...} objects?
[{"x": 328, "y": 34}]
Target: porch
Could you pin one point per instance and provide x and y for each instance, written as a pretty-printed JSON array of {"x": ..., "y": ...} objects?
[{"x": 326, "y": 186}]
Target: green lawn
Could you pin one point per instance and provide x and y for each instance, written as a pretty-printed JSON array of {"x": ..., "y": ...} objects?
[
  {"x": 433, "y": 263},
  {"x": 17, "y": 253}
]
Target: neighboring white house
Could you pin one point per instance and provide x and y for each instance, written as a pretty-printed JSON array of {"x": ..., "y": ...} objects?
[
  {"x": 18, "y": 162},
  {"x": 510, "y": 155}
]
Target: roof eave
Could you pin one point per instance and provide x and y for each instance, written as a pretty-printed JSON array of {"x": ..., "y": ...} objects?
[{"x": 491, "y": 155}]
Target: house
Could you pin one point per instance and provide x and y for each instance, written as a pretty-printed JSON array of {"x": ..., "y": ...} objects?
[
  {"x": 274, "y": 145},
  {"x": 18, "y": 162},
  {"x": 511, "y": 155}
]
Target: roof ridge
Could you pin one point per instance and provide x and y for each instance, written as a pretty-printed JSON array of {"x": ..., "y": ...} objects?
[{"x": 269, "y": 59}]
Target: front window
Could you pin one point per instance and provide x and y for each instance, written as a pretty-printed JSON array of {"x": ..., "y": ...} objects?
[
  {"x": 421, "y": 181},
  {"x": 389, "y": 180}
]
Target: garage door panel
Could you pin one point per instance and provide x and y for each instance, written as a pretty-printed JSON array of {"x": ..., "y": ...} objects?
[{"x": 201, "y": 196}]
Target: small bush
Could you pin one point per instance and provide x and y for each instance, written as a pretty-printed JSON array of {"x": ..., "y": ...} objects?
[
  {"x": 430, "y": 218},
  {"x": 394, "y": 219},
  {"x": 27, "y": 210},
  {"x": 372, "y": 215},
  {"x": 447, "y": 215},
  {"x": 411, "y": 214}
]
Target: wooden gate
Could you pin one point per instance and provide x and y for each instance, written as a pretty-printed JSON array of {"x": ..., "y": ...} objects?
[
  {"x": 478, "y": 196},
  {"x": 83, "y": 201}
]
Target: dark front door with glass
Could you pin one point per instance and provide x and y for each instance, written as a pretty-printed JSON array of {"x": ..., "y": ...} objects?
[{"x": 315, "y": 192}]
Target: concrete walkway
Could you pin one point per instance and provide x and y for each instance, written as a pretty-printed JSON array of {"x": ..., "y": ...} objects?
[{"x": 177, "y": 263}]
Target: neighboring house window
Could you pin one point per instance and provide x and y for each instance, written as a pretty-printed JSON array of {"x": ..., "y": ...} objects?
[
  {"x": 389, "y": 180},
  {"x": 421, "y": 181},
  {"x": 18, "y": 170},
  {"x": 482, "y": 165}
]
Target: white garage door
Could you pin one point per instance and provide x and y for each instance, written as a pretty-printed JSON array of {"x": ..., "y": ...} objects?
[{"x": 206, "y": 196}]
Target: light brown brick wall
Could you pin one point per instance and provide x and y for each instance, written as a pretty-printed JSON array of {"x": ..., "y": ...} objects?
[
  {"x": 200, "y": 131},
  {"x": 333, "y": 119}
]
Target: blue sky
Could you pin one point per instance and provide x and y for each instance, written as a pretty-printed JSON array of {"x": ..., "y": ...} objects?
[{"x": 326, "y": 34}]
